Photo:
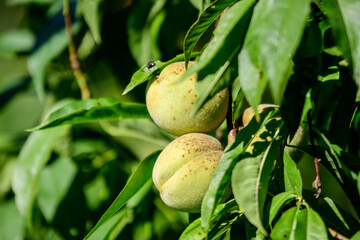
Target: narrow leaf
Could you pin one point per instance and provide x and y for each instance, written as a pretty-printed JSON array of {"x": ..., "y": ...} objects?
[
  {"x": 228, "y": 37},
  {"x": 141, "y": 175},
  {"x": 93, "y": 110},
  {"x": 345, "y": 19},
  {"x": 292, "y": 177},
  {"x": 146, "y": 73},
  {"x": 194, "y": 230},
  {"x": 33, "y": 157},
  {"x": 90, "y": 10},
  {"x": 278, "y": 202},
  {"x": 222, "y": 174},
  {"x": 333, "y": 215},
  {"x": 251, "y": 175},
  {"x": 358, "y": 183},
  {"x": 207, "y": 17},
  {"x": 272, "y": 38}
]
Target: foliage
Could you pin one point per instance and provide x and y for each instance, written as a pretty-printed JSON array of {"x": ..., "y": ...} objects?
[{"x": 74, "y": 169}]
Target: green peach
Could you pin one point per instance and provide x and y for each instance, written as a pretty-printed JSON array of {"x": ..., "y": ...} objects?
[
  {"x": 249, "y": 113},
  {"x": 170, "y": 103},
  {"x": 183, "y": 170}
]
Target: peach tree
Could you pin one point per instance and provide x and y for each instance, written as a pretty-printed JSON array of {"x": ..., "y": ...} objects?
[{"x": 224, "y": 119}]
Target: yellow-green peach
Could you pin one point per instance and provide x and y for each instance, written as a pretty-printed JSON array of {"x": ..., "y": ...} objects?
[
  {"x": 170, "y": 103},
  {"x": 184, "y": 168},
  {"x": 249, "y": 113}
]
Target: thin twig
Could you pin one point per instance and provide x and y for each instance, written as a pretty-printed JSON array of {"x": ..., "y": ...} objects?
[
  {"x": 336, "y": 234},
  {"x": 317, "y": 183},
  {"x": 75, "y": 64}
]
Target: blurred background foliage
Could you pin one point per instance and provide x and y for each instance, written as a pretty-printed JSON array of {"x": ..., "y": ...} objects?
[{"x": 83, "y": 168}]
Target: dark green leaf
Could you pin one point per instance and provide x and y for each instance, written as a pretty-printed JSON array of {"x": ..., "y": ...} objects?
[
  {"x": 278, "y": 202},
  {"x": 144, "y": 74},
  {"x": 251, "y": 175},
  {"x": 238, "y": 104},
  {"x": 222, "y": 174},
  {"x": 358, "y": 183},
  {"x": 205, "y": 87},
  {"x": 33, "y": 157},
  {"x": 194, "y": 230},
  {"x": 292, "y": 177},
  {"x": 228, "y": 38},
  {"x": 333, "y": 215},
  {"x": 141, "y": 175},
  {"x": 93, "y": 110},
  {"x": 345, "y": 19},
  {"x": 207, "y": 17},
  {"x": 272, "y": 38}
]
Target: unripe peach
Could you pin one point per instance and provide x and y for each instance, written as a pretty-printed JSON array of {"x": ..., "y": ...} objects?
[
  {"x": 183, "y": 170},
  {"x": 249, "y": 113},
  {"x": 170, "y": 103}
]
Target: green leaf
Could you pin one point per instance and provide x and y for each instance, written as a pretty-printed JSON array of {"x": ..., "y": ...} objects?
[
  {"x": 333, "y": 215},
  {"x": 285, "y": 225},
  {"x": 228, "y": 38},
  {"x": 299, "y": 224},
  {"x": 33, "y": 157},
  {"x": 278, "y": 202},
  {"x": 11, "y": 224},
  {"x": 356, "y": 236},
  {"x": 14, "y": 41},
  {"x": 344, "y": 17},
  {"x": 45, "y": 53},
  {"x": 91, "y": 12},
  {"x": 144, "y": 74},
  {"x": 143, "y": 26},
  {"x": 358, "y": 183},
  {"x": 238, "y": 104},
  {"x": 207, "y": 17},
  {"x": 194, "y": 230},
  {"x": 141, "y": 175},
  {"x": 108, "y": 227},
  {"x": 222, "y": 174},
  {"x": 204, "y": 88},
  {"x": 54, "y": 182},
  {"x": 292, "y": 177},
  {"x": 315, "y": 228},
  {"x": 93, "y": 110},
  {"x": 272, "y": 38},
  {"x": 335, "y": 157},
  {"x": 251, "y": 174}
]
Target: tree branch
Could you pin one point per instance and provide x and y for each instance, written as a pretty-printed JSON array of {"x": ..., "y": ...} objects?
[
  {"x": 75, "y": 64},
  {"x": 317, "y": 183}
]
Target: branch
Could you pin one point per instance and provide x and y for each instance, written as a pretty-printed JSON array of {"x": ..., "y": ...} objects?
[
  {"x": 337, "y": 235},
  {"x": 317, "y": 183},
  {"x": 75, "y": 64}
]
